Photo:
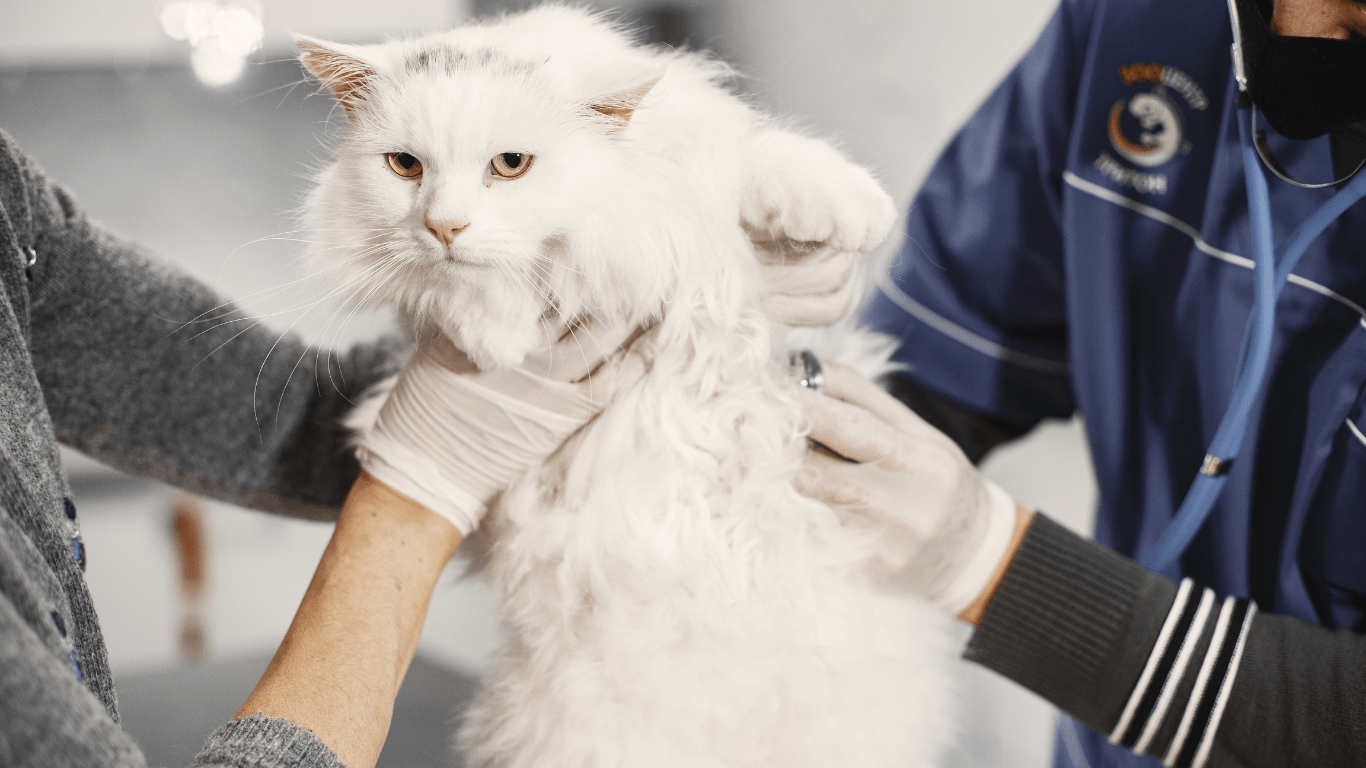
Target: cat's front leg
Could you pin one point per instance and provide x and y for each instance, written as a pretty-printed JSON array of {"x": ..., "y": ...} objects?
[
  {"x": 803, "y": 191},
  {"x": 812, "y": 215}
]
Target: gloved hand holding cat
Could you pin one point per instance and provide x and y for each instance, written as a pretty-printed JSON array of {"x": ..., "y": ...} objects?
[{"x": 452, "y": 437}]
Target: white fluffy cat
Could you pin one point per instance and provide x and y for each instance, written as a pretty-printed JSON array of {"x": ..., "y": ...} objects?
[{"x": 668, "y": 598}]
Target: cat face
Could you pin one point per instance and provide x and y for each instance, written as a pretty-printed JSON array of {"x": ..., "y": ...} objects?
[{"x": 472, "y": 189}]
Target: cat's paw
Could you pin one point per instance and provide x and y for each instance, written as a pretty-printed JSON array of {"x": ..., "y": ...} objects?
[{"x": 803, "y": 191}]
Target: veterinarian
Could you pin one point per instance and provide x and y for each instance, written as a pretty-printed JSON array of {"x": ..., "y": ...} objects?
[
  {"x": 1110, "y": 235},
  {"x": 129, "y": 361}
]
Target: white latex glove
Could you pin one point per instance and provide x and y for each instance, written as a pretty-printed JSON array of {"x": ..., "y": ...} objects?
[
  {"x": 808, "y": 287},
  {"x": 947, "y": 527},
  {"x": 452, "y": 437}
]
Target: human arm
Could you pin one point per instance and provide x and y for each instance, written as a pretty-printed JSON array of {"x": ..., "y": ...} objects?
[
  {"x": 345, "y": 655},
  {"x": 943, "y": 528},
  {"x": 327, "y": 695},
  {"x": 1078, "y": 624},
  {"x": 470, "y": 433},
  {"x": 143, "y": 368}
]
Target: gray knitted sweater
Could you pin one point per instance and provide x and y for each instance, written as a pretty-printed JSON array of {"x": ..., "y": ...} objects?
[{"x": 93, "y": 354}]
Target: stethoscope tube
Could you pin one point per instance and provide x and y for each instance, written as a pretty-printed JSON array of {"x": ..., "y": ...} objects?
[{"x": 1270, "y": 273}]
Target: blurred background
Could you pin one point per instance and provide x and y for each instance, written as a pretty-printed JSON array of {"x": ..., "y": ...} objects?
[{"x": 188, "y": 126}]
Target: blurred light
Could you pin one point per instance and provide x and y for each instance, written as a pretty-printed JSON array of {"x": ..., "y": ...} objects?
[
  {"x": 176, "y": 19},
  {"x": 215, "y": 66},
  {"x": 222, "y": 33},
  {"x": 239, "y": 31}
]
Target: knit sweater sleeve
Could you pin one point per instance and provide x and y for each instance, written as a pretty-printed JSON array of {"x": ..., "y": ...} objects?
[
  {"x": 48, "y": 716},
  {"x": 99, "y": 320},
  {"x": 264, "y": 742},
  {"x": 1169, "y": 670},
  {"x": 149, "y": 371}
]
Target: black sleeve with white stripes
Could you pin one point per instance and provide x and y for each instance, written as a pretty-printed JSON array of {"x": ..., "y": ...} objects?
[{"x": 1168, "y": 670}]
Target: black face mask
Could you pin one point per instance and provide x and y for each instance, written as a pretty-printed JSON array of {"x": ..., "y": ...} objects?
[{"x": 1306, "y": 86}]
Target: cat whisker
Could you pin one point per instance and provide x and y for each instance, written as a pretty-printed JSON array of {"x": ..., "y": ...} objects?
[
  {"x": 255, "y": 390},
  {"x": 331, "y": 112},
  {"x": 282, "y": 238},
  {"x": 287, "y": 310},
  {"x": 588, "y": 365},
  {"x": 544, "y": 267},
  {"x": 323, "y": 246},
  {"x": 288, "y": 88},
  {"x": 546, "y": 294},
  {"x": 379, "y": 275},
  {"x": 257, "y": 321},
  {"x": 542, "y": 286},
  {"x": 513, "y": 271},
  {"x": 228, "y": 341},
  {"x": 350, "y": 285},
  {"x": 324, "y": 344},
  {"x": 380, "y": 279},
  {"x": 265, "y": 292},
  {"x": 370, "y": 250},
  {"x": 337, "y": 229},
  {"x": 515, "y": 275},
  {"x": 542, "y": 256},
  {"x": 379, "y": 282},
  {"x": 369, "y": 272},
  {"x": 290, "y": 85}
]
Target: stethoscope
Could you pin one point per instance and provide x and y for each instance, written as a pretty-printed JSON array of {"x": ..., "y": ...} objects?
[{"x": 1272, "y": 270}]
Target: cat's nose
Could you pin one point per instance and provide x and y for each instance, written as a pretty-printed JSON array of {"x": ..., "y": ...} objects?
[{"x": 445, "y": 231}]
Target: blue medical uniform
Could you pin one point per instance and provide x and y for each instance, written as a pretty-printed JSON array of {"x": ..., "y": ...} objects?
[{"x": 1083, "y": 245}]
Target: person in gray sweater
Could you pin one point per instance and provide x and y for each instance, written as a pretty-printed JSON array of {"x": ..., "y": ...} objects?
[{"x": 110, "y": 352}]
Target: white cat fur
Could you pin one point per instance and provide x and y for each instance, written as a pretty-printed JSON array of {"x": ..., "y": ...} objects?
[{"x": 668, "y": 598}]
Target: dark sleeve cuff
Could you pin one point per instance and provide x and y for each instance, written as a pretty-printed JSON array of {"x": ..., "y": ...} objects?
[
  {"x": 1074, "y": 622},
  {"x": 976, "y": 433},
  {"x": 265, "y": 742}
]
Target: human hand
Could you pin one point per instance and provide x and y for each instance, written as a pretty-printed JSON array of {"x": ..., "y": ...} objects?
[
  {"x": 810, "y": 286},
  {"x": 453, "y": 437},
  {"x": 946, "y": 528},
  {"x": 812, "y": 215}
]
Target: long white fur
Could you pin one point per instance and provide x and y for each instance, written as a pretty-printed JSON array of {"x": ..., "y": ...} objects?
[{"x": 668, "y": 598}]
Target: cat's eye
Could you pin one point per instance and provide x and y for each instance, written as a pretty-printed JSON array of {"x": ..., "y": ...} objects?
[
  {"x": 404, "y": 164},
  {"x": 510, "y": 165}
]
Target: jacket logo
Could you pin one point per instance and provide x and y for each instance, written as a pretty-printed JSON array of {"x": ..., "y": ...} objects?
[
  {"x": 1148, "y": 129},
  {"x": 1161, "y": 135}
]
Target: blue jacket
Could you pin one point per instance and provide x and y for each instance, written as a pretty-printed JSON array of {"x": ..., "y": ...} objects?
[{"x": 1083, "y": 245}]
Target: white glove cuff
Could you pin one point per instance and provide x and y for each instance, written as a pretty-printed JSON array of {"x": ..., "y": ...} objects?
[
  {"x": 411, "y": 474},
  {"x": 452, "y": 442},
  {"x": 1000, "y": 529}
]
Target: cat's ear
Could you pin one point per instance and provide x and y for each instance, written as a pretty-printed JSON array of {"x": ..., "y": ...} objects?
[
  {"x": 339, "y": 67},
  {"x": 621, "y": 105}
]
